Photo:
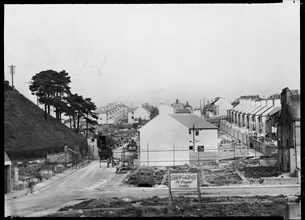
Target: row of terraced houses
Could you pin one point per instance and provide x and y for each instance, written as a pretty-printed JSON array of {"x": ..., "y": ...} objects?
[{"x": 268, "y": 125}]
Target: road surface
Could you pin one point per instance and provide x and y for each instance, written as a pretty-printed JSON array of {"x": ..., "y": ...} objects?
[
  {"x": 78, "y": 185},
  {"x": 95, "y": 182}
]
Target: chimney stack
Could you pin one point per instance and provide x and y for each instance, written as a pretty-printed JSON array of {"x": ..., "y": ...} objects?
[{"x": 286, "y": 96}]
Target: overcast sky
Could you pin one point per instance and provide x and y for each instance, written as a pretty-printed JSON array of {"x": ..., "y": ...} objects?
[{"x": 157, "y": 53}]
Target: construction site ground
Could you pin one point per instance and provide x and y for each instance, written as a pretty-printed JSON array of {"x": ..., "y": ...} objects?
[
  {"x": 182, "y": 206},
  {"x": 249, "y": 169},
  {"x": 227, "y": 187}
]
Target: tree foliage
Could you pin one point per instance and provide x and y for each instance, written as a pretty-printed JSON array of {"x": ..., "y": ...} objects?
[
  {"x": 52, "y": 89},
  {"x": 154, "y": 112}
]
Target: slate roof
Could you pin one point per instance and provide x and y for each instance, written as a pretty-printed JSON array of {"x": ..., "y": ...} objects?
[
  {"x": 111, "y": 107},
  {"x": 254, "y": 110},
  {"x": 262, "y": 110},
  {"x": 238, "y": 107},
  {"x": 179, "y": 111},
  {"x": 274, "y": 111},
  {"x": 267, "y": 112},
  {"x": 189, "y": 120}
]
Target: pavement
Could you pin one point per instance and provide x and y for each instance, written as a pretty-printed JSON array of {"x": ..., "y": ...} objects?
[{"x": 44, "y": 184}]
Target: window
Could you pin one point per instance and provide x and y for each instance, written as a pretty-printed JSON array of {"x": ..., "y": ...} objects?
[
  {"x": 191, "y": 147},
  {"x": 197, "y": 132},
  {"x": 201, "y": 148},
  {"x": 190, "y": 132}
]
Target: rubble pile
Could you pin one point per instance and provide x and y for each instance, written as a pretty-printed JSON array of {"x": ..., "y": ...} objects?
[
  {"x": 182, "y": 206},
  {"x": 259, "y": 171},
  {"x": 159, "y": 176},
  {"x": 221, "y": 177},
  {"x": 220, "y": 173},
  {"x": 120, "y": 135}
]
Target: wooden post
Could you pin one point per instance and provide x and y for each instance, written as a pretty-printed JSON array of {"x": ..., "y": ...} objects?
[
  {"x": 174, "y": 154},
  {"x": 170, "y": 196},
  {"x": 66, "y": 152},
  {"x": 147, "y": 156},
  {"x": 198, "y": 185}
]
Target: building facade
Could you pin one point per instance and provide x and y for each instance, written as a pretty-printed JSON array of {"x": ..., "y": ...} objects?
[
  {"x": 217, "y": 108},
  {"x": 141, "y": 113},
  {"x": 165, "y": 109},
  {"x": 248, "y": 118},
  {"x": 112, "y": 113},
  {"x": 177, "y": 106},
  {"x": 169, "y": 140},
  {"x": 7, "y": 174},
  {"x": 289, "y": 131}
]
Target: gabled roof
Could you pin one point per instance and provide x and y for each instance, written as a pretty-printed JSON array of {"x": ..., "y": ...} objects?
[
  {"x": 190, "y": 120},
  {"x": 213, "y": 101},
  {"x": 241, "y": 110},
  {"x": 265, "y": 113},
  {"x": 252, "y": 111},
  {"x": 247, "y": 109},
  {"x": 263, "y": 108},
  {"x": 110, "y": 107},
  {"x": 274, "y": 111},
  {"x": 141, "y": 106},
  {"x": 234, "y": 109},
  {"x": 256, "y": 111}
]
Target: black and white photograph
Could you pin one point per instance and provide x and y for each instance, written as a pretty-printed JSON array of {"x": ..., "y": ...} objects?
[{"x": 152, "y": 110}]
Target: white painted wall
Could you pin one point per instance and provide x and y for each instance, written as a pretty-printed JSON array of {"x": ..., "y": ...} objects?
[
  {"x": 269, "y": 102},
  {"x": 160, "y": 134},
  {"x": 223, "y": 106},
  {"x": 165, "y": 109},
  {"x": 93, "y": 147},
  {"x": 207, "y": 138},
  {"x": 277, "y": 102},
  {"x": 130, "y": 118},
  {"x": 197, "y": 112},
  {"x": 102, "y": 118},
  {"x": 142, "y": 113}
]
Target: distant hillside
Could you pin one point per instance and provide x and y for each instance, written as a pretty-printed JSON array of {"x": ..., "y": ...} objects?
[{"x": 28, "y": 135}]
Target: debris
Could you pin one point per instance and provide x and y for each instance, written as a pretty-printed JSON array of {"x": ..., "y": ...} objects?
[
  {"x": 127, "y": 199},
  {"x": 292, "y": 198}
]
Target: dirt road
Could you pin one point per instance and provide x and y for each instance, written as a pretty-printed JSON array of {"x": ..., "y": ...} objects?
[{"x": 93, "y": 182}]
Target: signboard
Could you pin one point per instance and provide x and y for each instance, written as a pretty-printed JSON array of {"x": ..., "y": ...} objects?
[
  {"x": 179, "y": 182},
  {"x": 184, "y": 181}
]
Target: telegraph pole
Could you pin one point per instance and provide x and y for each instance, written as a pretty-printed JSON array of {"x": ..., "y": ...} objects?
[
  {"x": 12, "y": 70},
  {"x": 194, "y": 144},
  {"x": 200, "y": 109}
]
